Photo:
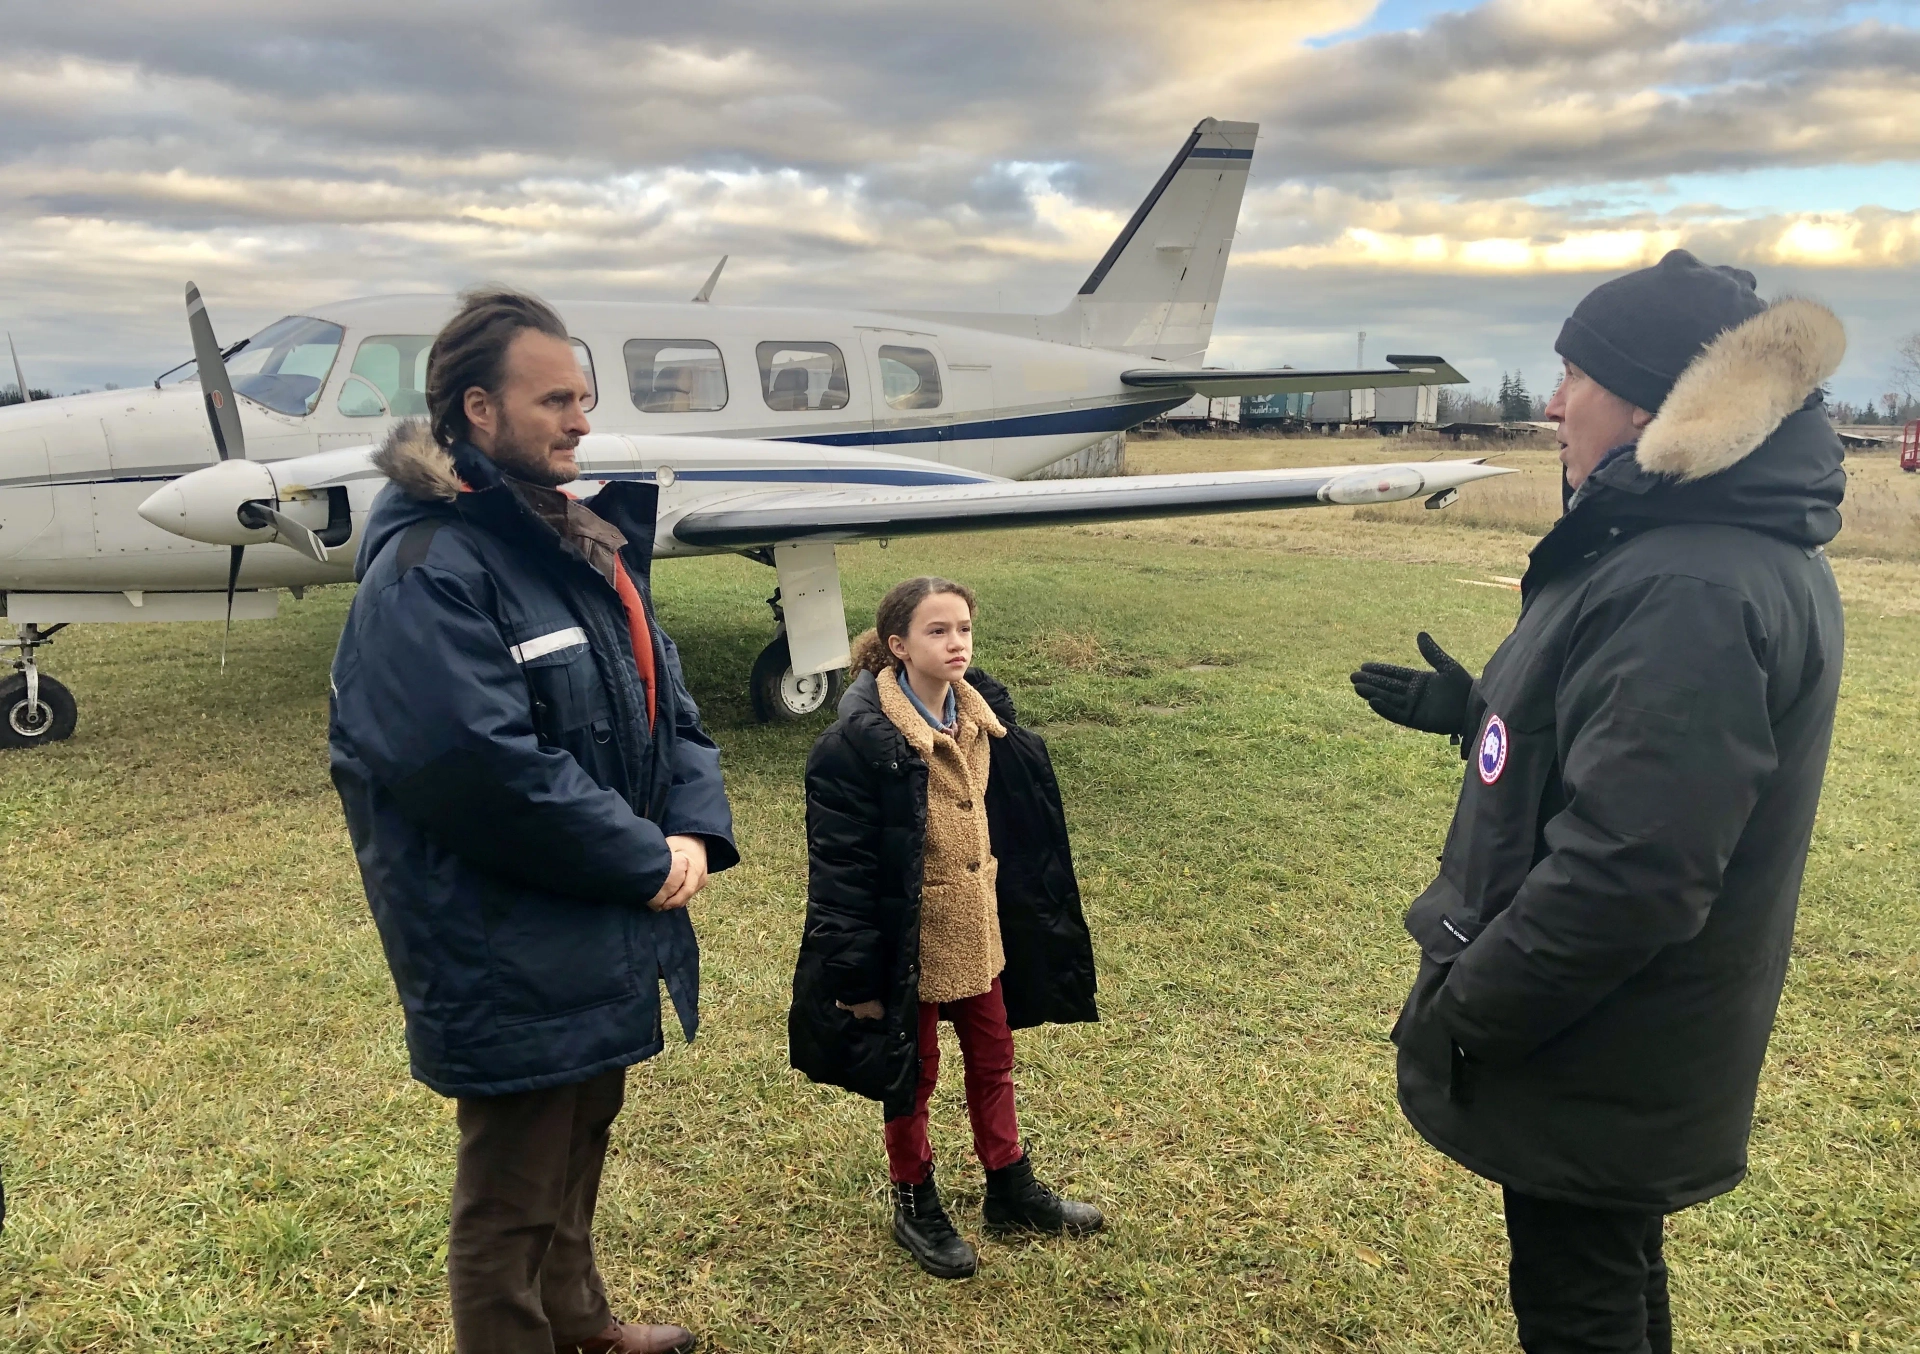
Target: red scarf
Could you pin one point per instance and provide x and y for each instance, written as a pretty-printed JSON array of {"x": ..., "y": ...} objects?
[{"x": 638, "y": 631}]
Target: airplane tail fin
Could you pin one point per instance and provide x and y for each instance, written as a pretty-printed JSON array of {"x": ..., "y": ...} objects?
[{"x": 1157, "y": 289}]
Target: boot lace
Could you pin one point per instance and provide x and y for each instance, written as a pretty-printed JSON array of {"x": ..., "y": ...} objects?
[{"x": 924, "y": 1207}]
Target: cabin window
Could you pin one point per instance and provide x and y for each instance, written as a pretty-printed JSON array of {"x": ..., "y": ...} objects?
[
  {"x": 909, "y": 377},
  {"x": 389, "y": 377},
  {"x": 796, "y": 376},
  {"x": 675, "y": 376},
  {"x": 285, "y": 365},
  {"x": 584, "y": 356}
]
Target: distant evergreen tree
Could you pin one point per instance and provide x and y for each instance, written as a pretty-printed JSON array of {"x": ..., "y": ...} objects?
[
  {"x": 11, "y": 394},
  {"x": 1516, "y": 401}
]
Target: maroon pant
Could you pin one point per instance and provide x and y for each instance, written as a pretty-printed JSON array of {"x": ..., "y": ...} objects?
[{"x": 986, "y": 1049}]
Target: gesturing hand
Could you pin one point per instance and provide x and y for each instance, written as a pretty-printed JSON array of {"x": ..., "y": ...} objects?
[
  {"x": 1433, "y": 702},
  {"x": 863, "y": 1010}
]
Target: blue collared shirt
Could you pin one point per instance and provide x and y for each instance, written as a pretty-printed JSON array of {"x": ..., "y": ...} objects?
[{"x": 951, "y": 724}]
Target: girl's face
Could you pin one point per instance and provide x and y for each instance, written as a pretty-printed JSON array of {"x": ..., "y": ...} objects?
[{"x": 938, "y": 645}]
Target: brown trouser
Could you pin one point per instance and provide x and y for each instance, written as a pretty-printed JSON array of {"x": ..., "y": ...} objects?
[{"x": 520, "y": 1250}]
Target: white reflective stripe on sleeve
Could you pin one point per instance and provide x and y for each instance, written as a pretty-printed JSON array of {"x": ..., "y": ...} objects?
[{"x": 542, "y": 645}]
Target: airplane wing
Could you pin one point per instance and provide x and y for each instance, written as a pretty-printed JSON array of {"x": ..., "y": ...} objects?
[
  {"x": 1405, "y": 371},
  {"x": 850, "y": 514}
]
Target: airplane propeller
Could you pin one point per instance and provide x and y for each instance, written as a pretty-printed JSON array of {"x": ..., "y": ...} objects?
[{"x": 230, "y": 440}]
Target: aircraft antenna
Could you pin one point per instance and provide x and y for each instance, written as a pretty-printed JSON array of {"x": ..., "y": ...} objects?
[
  {"x": 18, "y": 376},
  {"x": 706, "y": 292}
]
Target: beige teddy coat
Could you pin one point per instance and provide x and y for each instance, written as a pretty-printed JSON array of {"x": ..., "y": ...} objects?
[{"x": 960, "y": 952}]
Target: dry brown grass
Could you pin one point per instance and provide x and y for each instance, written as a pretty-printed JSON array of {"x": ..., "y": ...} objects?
[{"x": 1881, "y": 515}]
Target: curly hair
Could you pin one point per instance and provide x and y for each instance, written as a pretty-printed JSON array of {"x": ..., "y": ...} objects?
[{"x": 895, "y": 617}]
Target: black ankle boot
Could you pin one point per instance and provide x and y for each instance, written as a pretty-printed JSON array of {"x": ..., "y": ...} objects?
[
  {"x": 1018, "y": 1202},
  {"x": 922, "y": 1226}
]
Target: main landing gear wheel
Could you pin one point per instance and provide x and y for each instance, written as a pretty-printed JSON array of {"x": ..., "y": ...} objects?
[
  {"x": 781, "y": 697},
  {"x": 50, "y": 719}
]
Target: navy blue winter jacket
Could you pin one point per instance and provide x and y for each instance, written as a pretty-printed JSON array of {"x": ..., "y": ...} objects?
[{"x": 506, "y": 801}]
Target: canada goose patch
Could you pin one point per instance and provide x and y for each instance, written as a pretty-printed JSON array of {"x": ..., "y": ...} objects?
[{"x": 1493, "y": 750}]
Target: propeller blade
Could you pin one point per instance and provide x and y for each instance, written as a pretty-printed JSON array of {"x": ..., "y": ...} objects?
[
  {"x": 296, "y": 535},
  {"x": 18, "y": 375},
  {"x": 234, "y": 557},
  {"x": 216, "y": 388}
]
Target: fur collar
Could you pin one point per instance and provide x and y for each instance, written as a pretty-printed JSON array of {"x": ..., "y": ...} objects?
[
  {"x": 419, "y": 465},
  {"x": 1740, "y": 388},
  {"x": 969, "y": 704}
]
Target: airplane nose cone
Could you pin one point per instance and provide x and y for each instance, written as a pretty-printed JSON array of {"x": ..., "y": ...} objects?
[{"x": 205, "y": 505}]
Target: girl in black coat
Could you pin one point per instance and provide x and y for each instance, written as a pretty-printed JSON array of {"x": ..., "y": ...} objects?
[{"x": 940, "y": 886}]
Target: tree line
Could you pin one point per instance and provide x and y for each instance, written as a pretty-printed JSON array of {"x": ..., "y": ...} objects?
[{"x": 1511, "y": 403}]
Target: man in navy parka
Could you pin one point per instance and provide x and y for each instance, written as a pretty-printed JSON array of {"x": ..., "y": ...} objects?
[{"x": 533, "y": 803}]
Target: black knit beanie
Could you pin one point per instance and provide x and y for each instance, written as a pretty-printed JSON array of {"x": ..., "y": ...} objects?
[{"x": 1636, "y": 334}]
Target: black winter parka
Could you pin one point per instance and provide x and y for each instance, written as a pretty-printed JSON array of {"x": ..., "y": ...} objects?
[
  {"x": 1605, "y": 945},
  {"x": 866, "y": 842}
]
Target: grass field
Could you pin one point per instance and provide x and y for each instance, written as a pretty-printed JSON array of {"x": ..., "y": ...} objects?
[{"x": 210, "y": 1142}]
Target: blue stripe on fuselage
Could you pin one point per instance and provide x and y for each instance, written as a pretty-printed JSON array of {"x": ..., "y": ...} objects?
[
  {"x": 1106, "y": 418},
  {"x": 898, "y": 479}
]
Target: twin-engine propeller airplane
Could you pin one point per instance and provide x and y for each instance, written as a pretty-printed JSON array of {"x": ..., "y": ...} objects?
[{"x": 773, "y": 433}]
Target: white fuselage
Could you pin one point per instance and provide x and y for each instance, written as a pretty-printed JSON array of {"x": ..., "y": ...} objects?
[{"x": 729, "y": 398}]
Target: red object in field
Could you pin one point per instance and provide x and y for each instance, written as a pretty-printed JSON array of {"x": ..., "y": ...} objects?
[{"x": 1910, "y": 447}]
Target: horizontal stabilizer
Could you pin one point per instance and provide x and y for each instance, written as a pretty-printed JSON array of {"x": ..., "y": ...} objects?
[
  {"x": 1405, "y": 371},
  {"x": 856, "y": 514}
]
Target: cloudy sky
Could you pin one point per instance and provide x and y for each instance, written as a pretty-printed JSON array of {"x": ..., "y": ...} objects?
[{"x": 1449, "y": 177}]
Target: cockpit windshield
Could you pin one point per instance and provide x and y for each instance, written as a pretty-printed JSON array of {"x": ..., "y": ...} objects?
[{"x": 285, "y": 365}]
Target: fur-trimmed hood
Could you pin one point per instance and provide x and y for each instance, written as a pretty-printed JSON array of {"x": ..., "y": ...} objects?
[
  {"x": 1741, "y": 388},
  {"x": 410, "y": 458},
  {"x": 1742, "y": 440}
]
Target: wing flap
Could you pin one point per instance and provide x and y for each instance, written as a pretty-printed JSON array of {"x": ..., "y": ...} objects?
[
  {"x": 852, "y": 514},
  {"x": 1405, "y": 371}
]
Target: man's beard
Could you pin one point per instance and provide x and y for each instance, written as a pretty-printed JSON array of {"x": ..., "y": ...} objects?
[{"x": 526, "y": 456}]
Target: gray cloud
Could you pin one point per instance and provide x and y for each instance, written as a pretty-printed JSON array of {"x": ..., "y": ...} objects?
[{"x": 848, "y": 152}]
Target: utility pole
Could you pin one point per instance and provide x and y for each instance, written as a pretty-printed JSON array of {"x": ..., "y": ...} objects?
[{"x": 1360, "y": 351}]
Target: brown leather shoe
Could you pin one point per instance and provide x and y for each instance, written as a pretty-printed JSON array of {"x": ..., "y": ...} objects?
[{"x": 626, "y": 1337}]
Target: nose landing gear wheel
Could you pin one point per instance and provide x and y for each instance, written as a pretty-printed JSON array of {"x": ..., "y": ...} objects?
[
  {"x": 50, "y": 720},
  {"x": 780, "y": 696}
]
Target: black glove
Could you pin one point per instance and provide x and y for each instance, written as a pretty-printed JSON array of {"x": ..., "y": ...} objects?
[{"x": 1433, "y": 702}]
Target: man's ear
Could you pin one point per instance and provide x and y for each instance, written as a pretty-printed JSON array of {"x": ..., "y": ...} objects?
[
  {"x": 1641, "y": 418},
  {"x": 478, "y": 408}
]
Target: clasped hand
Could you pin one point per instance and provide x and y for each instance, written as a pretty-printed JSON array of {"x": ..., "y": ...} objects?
[{"x": 688, "y": 876}]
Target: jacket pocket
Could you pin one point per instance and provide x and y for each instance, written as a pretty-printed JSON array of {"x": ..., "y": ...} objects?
[
  {"x": 1427, "y": 1048},
  {"x": 550, "y": 954},
  {"x": 563, "y": 683}
]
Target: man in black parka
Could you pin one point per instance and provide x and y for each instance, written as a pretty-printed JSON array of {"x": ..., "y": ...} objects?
[
  {"x": 1604, "y": 948},
  {"x": 533, "y": 803}
]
